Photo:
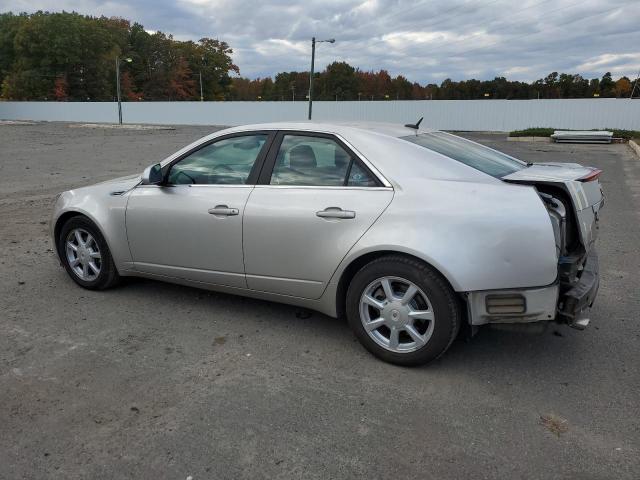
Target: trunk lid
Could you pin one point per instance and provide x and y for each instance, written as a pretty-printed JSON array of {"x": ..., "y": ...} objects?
[{"x": 580, "y": 184}]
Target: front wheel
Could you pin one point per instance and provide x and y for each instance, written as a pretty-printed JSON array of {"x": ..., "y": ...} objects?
[
  {"x": 402, "y": 311},
  {"x": 85, "y": 254}
]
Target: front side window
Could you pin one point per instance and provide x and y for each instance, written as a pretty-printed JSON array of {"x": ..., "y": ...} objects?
[
  {"x": 225, "y": 162},
  {"x": 478, "y": 156},
  {"x": 317, "y": 161}
]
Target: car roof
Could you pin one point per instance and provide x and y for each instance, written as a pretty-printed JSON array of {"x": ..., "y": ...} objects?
[{"x": 388, "y": 129}]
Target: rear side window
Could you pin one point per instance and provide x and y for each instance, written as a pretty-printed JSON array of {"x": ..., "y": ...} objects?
[
  {"x": 317, "y": 161},
  {"x": 485, "y": 159}
]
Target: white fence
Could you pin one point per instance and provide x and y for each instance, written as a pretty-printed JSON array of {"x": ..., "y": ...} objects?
[{"x": 478, "y": 115}]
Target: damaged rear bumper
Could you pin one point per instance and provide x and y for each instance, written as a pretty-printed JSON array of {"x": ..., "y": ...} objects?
[
  {"x": 566, "y": 301},
  {"x": 576, "y": 298}
]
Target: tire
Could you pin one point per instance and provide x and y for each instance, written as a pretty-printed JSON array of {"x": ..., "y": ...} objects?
[
  {"x": 426, "y": 325},
  {"x": 107, "y": 276}
]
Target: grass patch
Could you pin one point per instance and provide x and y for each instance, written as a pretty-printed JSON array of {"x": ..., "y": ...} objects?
[
  {"x": 533, "y": 132},
  {"x": 547, "y": 132}
]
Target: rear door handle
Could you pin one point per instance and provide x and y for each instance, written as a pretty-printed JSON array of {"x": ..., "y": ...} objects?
[
  {"x": 223, "y": 211},
  {"x": 335, "y": 212}
]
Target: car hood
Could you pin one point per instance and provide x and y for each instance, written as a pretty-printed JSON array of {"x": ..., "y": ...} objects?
[
  {"x": 135, "y": 179},
  {"x": 121, "y": 184}
]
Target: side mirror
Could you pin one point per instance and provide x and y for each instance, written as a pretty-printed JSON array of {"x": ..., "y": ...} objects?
[{"x": 152, "y": 175}]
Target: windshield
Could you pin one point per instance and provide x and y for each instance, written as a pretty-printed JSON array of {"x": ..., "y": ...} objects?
[{"x": 481, "y": 158}]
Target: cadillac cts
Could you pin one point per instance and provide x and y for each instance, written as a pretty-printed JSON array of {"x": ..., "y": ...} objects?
[{"x": 408, "y": 233}]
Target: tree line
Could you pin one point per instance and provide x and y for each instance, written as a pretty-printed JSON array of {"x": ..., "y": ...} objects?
[
  {"x": 67, "y": 56},
  {"x": 72, "y": 57},
  {"x": 341, "y": 81}
]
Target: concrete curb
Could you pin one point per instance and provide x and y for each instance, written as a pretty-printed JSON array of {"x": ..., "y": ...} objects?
[
  {"x": 529, "y": 139},
  {"x": 125, "y": 126},
  {"x": 635, "y": 147}
]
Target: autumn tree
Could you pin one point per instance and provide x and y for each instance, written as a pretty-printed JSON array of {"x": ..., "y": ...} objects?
[
  {"x": 181, "y": 84},
  {"x": 623, "y": 87},
  {"x": 60, "y": 90},
  {"x": 127, "y": 88}
]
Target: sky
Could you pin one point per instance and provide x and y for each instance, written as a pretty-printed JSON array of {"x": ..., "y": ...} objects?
[{"x": 426, "y": 41}]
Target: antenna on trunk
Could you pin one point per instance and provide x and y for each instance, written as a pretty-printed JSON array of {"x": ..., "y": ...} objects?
[{"x": 416, "y": 125}]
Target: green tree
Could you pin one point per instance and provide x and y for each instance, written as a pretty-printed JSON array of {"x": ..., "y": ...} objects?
[
  {"x": 339, "y": 79},
  {"x": 9, "y": 26},
  {"x": 607, "y": 86}
]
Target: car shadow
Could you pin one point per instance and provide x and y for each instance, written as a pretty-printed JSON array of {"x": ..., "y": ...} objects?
[{"x": 512, "y": 352}]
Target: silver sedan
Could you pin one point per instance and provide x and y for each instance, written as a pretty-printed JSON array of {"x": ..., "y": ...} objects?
[{"x": 410, "y": 234}]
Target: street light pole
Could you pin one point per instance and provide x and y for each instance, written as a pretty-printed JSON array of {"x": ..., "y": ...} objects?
[
  {"x": 128, "y": 60},
  {"x": 313, "y": 59},
  {"x": 118, "y": 90},
  {"x": 635, "y": 84}
]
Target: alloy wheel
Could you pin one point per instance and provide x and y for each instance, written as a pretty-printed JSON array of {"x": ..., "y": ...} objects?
[
  {"x": 396, "y": 314},
  {"x": 83, "y": 254}
]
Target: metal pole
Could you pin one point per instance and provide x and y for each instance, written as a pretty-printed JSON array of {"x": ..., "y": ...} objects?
[
  {"x": 201, "y": 96},
  {"x": 293, "y": 93},
  {"x": 313, "y": 58},
  {"x": 118, "y": 90},
  {"x": 635, "y": 84}
]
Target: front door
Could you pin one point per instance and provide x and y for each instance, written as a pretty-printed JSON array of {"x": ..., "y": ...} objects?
[
  {"x": 191, "y": 226},
  {"x": 315, "y": 200}
]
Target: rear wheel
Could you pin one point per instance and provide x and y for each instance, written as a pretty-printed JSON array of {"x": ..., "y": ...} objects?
[
  {"x": 402, "y": 311},
  {"x": 85, "y": 254}
]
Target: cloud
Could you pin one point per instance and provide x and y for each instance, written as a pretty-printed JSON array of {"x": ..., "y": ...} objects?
[{"x": 423, "y": 40}]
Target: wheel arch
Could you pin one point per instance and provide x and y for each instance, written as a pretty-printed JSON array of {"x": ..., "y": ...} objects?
[
  {"x": 64, "y": 218},
  {"x": 360, "y": 261}
]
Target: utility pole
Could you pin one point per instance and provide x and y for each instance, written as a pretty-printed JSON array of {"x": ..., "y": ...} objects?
[
  {"x": 293, "y": 92},
  {"x": 201, "y": 95}
]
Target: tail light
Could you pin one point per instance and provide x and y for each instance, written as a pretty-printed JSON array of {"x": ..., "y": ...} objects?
[{"x": 590, "y": 177}]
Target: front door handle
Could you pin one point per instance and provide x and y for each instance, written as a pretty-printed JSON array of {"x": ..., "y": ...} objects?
[
  {"x": 223, "y": 211},
  {"x": 335, "y": 212}
]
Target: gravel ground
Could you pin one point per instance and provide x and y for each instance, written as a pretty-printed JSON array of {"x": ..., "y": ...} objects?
[{"x": 152, "y": 380}]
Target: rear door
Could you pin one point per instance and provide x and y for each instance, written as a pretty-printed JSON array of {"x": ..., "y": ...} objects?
[{"x": 315, "y": 198}]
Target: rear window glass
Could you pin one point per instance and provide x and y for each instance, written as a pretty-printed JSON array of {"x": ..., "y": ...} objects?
[{"x": 478, "y": 156}]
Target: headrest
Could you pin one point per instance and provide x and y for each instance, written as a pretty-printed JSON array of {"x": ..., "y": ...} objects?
[{"x": 302, "y": 156}]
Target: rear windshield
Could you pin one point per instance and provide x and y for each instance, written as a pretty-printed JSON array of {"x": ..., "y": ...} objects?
[{"x": 481, "y": 158}]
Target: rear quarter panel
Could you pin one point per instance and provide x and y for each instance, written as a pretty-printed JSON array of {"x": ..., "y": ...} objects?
[{"x": 480, "y": 236}]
